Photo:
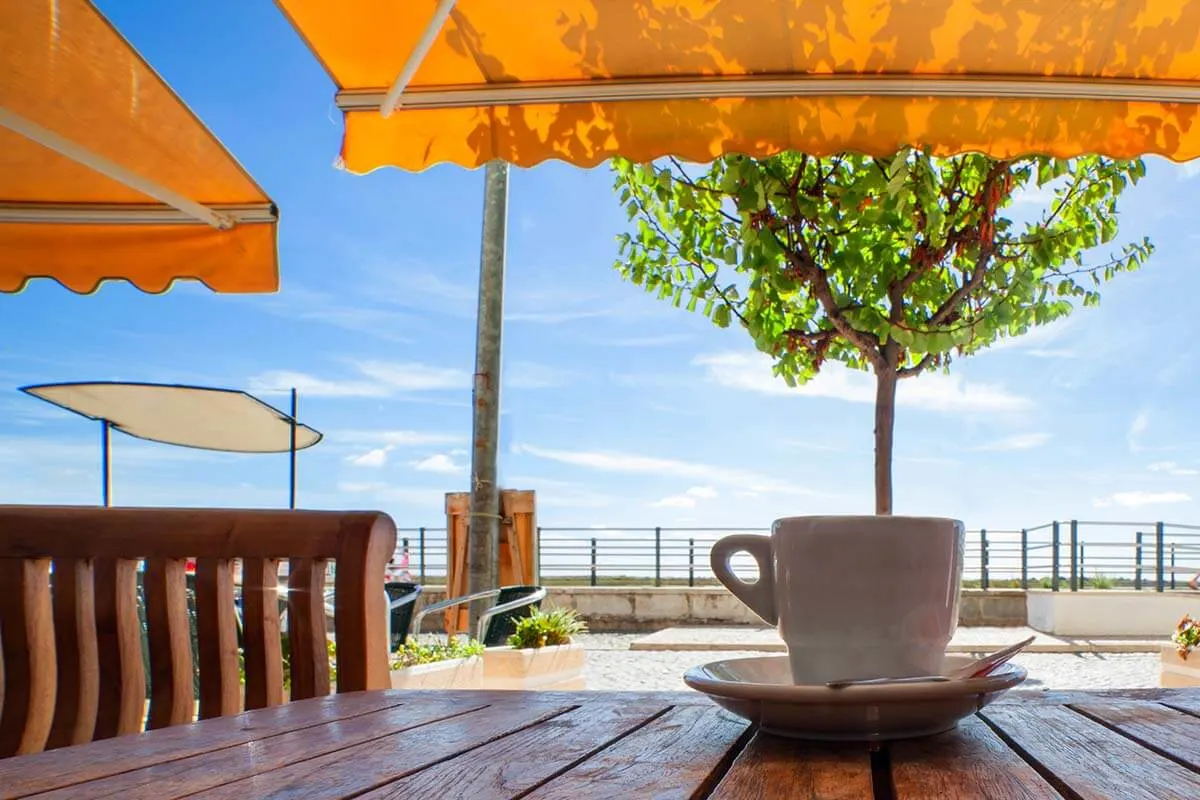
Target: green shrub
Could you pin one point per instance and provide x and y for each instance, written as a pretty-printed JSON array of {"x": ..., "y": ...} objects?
[
  {"x": 412, "y": 652},
  {"x": 548, "y": 628}
]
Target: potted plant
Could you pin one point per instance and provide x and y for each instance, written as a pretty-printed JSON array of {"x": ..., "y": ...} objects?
[
  {"x": 453, "y": 664},
  {"x": 540, "y": 654},
  {"x": 1177, "y": 669}
]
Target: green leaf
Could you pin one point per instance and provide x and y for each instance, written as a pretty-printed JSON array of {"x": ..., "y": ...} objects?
[{"x": 721, "y": 316}]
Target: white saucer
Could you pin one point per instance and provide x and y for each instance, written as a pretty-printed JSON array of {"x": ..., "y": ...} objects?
[{"x": 761, "y": 690}]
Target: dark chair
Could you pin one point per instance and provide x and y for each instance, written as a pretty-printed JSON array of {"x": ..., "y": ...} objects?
[
  {"x": 402, "y": 599},
  {"x": 512, "y": 603}
]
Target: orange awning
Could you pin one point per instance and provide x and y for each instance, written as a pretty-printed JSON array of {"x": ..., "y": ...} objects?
[
  {"x": 585, "y": 80},
  {"x": 106, "y": 174}
]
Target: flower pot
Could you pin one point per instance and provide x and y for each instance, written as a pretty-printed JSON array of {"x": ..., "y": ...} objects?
[
  {"x": 454, "y": 673},
  {"x": 559, "y": 667},
  {"x": 1177, "y": 672}
]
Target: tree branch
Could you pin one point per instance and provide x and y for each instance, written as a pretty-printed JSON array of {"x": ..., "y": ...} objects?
[
  {"x": 918, "y": 368},
  {"x": 804, "y": 266},
  {"x": 712, "y": 279}
]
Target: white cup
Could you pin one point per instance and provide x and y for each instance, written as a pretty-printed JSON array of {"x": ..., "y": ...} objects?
[{"x": 854, "y": 597}]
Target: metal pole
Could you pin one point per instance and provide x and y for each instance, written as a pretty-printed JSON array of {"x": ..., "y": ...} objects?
[
  {"x": 421, "y": 545},
  {"x": 1074, "y": 556},
  {"x": 1158, "y": 557},
  {"x": 1137, "y": 561},
  {"x": 292, "y": 457},
  {"x": 1172, "y": 546},
  {"x": 483, "y": 532},
  {"x": 691, "y": 562},
  {"x": 1024, "y": 559},
  {"x": 105, "y": 463},
  {"x": 657, "y": 556},
  {"x": 1056, "y": 539},
  {"x": 983, "y": 559},
  {"x": 593, "y": 561}
]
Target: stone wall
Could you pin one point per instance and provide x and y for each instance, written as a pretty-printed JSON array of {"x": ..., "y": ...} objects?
[{"x": 633, "y": 609}]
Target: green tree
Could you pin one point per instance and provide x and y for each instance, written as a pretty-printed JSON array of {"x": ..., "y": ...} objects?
[{"x": 893, "y": 265}]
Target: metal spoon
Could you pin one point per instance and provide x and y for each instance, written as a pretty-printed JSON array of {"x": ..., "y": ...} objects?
[
  {"x": 976, "y": 669},
  {"x": 878, "y": 681}
]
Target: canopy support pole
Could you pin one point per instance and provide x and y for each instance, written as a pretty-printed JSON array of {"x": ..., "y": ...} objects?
[
  {"x": 98, "y": 163},
  {"x": 292, "y": 456},
  {"x": 392, "y": 100},
  {"x": 105, "y": 463},
  {"x": 483, "y": 531}
]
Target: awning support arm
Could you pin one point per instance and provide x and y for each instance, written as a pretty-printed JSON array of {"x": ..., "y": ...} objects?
[
  {"x": 616, "y": 90},
  {"x": 392, "y": 100},
  {"x": 81, "y": 155}
]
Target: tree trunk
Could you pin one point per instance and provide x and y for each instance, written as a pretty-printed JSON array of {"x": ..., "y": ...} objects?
[{"x": 885, "y": 421}]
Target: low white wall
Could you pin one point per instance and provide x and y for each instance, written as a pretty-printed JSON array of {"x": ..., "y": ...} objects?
[
  {"x": 648, "y": 608},
  {"x": 1109, "y": 612}
]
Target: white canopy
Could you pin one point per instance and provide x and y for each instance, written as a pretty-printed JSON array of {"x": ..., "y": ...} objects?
[{"x": 191, "y": 416}]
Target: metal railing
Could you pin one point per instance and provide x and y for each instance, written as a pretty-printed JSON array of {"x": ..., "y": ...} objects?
[{"x": 1060, "y": 555}]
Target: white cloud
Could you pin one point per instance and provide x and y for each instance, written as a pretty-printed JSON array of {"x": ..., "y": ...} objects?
[
  {"x": 1019, "y": 441},
  {"x": 555, "y": 493},
  {"x": 371, "y": 458},
  {"x": 933, "y": 391},
  {"x": 1139, "y": 499},
  {"x": 675, "y": 501},
  {"x": 375, "y": 379},
  {"x": 409, "y": 376},
  {"x": 645, "y": 341},
  {"x": 1189, "y": 169},
  {"x": 398, "y": 438},
  {"x": 631, "y": 464},
  {"x": 687, "y": 499},
  {"x": 1137, "y": 427},
  {"x": 439, "y": 463},
  {"x": 527, "y": 375},
  {"x": 1171, "y": 468},
  {"x": 379, "y": 492},
  {"x": 278, "y": 381},
  {"x": 1038, "y": 340}
]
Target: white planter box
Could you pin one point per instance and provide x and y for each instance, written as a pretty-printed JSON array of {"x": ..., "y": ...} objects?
[
  {"x": 1176, "y": 672},
  {"x": 558, "y": 668},
  {"x": 1107, "y": 612},
  {"x": 456, "y": 673}
]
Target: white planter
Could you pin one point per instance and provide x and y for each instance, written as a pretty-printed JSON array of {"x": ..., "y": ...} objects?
[
  {"x": 1176, "y": 672},
  {"x": 1107, "y": 612},
  {"x": 558, "y": 668},
  {"x": 455, "y": 673}
]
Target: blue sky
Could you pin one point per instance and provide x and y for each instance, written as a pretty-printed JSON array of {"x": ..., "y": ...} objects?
[{"x": 617, "y": 409}]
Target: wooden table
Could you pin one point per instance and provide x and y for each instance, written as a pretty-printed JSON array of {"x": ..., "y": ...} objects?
[{"x": 482, "y": 745}]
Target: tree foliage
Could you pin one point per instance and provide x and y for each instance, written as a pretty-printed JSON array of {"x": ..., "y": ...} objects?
[{"x": 890, "y": 265}]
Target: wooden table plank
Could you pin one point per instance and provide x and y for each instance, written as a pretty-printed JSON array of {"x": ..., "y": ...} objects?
[
  {"x": 187, "y": 776},
  {"x": 354, "y": 770},
  {"x": 510, "y": 766},
  {"x": 969, "y": 763},
  {"x": 55, "y": 769},
  {"x": 1089, "y": 759},
  {"x": 678, "y": 755},
  {"x": 1167, "y": 731},
  {"x": 1189, "y": 704},
  {"x": 774, "y": 768}
]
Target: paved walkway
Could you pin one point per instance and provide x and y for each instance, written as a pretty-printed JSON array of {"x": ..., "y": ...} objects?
[
  {"x": 612, "y": 665},
  {"x": 966, "y": 640}
]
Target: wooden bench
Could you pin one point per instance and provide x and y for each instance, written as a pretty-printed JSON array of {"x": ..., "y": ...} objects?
[{"x": 70, "y": 638}]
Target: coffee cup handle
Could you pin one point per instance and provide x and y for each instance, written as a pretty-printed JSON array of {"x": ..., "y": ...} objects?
[{"x": 760, "y": 595}]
